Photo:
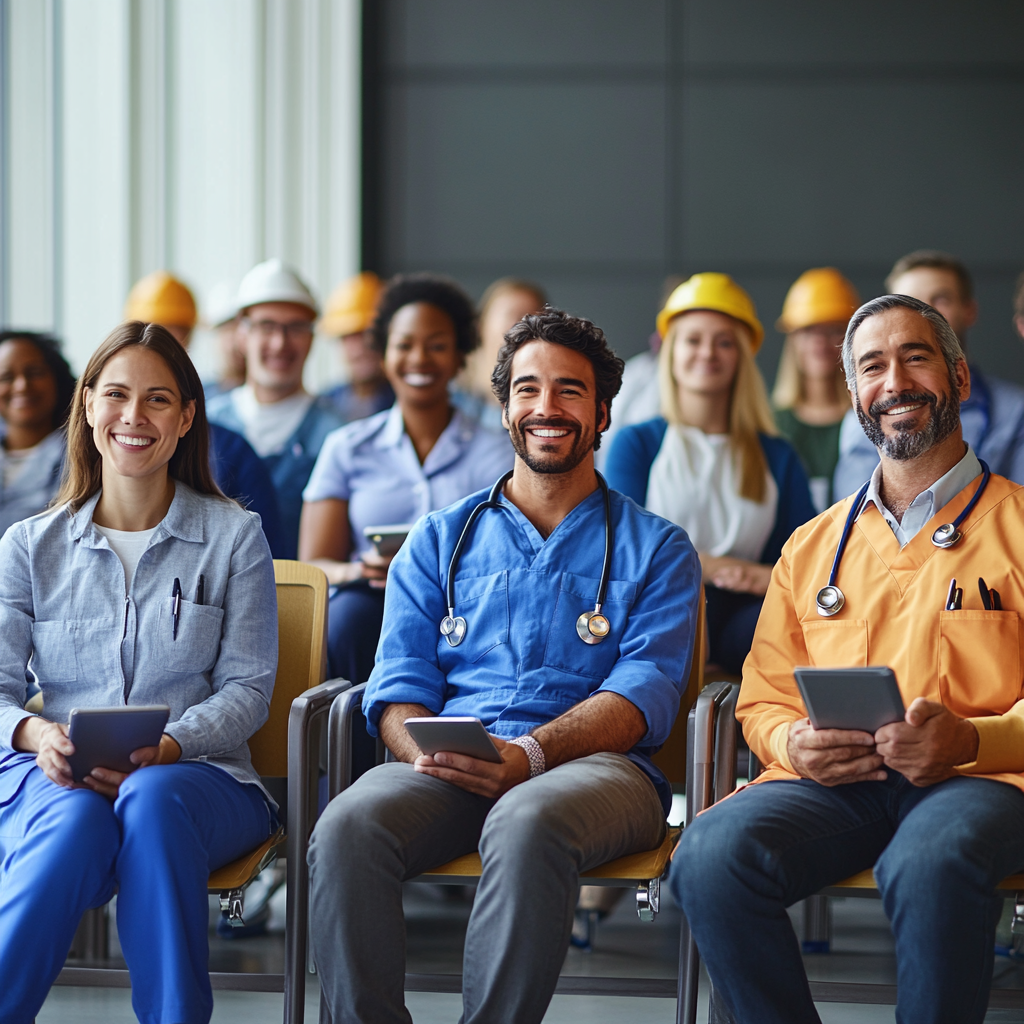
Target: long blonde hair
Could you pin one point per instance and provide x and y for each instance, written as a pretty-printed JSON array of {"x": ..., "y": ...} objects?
[
  {"x": 750, "y": 413},
  {"x": 789, "y": 381}
]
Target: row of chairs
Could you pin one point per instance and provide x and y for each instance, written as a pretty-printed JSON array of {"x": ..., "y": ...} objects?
[{"x": 287, "y": 753}]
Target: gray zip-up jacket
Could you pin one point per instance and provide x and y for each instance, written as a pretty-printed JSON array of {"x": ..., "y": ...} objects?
[{"x": 63, "y": 605}]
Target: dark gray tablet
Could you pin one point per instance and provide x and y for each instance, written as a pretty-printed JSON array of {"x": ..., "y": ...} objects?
[
  {"x": 106, "y": 737},
  {"x": 387, "y": 539},
  {"x": 457, "y": 735},
  {"x": 850, "y": 698}
]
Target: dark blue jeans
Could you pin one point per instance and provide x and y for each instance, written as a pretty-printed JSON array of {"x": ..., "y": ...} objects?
[{"x": 938, "y": 853}]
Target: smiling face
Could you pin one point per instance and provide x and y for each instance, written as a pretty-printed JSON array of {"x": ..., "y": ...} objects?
[
  {"x": 422, "y": 355},
  {"x": 276, "y": 338},
  {"x": 136, "y": 413},
  {"x": 28, "y": 391},
  {"x": 551, "y": 414},
  {"x": 907, "y": 399},
  {"x": 705, "y": 353}
]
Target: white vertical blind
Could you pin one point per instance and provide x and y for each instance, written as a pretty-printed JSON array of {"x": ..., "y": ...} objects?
[{"x": 198, "y": 136}]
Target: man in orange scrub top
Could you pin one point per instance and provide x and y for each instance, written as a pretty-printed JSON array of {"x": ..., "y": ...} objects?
[{"x": 934, "y": 802}]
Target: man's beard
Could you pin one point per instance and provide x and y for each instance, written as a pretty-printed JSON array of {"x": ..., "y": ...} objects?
[
  {"x": 582, "y": 445},
  {"x": 908, "y": 443}
]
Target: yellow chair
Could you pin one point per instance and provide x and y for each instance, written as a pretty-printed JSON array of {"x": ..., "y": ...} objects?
[
  {"x": 713, "y": 759},
  {"x": 642, "y": 871},
  {"x": 285, "y": 754}
]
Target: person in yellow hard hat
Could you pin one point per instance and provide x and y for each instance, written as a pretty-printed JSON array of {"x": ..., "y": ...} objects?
[
  {"x": 348, "y": 317},
  {"x": 810, "y": 395},
  {"x": 160, "y": 298},
  {"x": 712, "y": 462}
]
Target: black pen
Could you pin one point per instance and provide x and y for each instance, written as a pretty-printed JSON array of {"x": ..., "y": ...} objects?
[
  {"x": 175, "y": 607},
  {"x": 986, "y": 597},
  {"x": 200, "y": 589}
]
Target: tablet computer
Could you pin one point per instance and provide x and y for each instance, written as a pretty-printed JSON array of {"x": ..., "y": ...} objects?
[
  {"x": 106, "y": 737},
  {"x": 457, "y": 735},
  {"x": 387, "y": 539},
  {"x": 850, "y": 698}
]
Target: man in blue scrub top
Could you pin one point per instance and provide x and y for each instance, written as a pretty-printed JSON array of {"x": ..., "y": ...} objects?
[
  {"x": 576, "y": 723},
  {"x": 993, "y": 416}
]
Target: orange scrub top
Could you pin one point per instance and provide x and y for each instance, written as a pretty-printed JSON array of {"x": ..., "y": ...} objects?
[{"x": 970, "y": 660}]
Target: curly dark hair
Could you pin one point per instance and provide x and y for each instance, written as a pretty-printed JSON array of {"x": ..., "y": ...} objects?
[
  {"x": 442, "y": 292},
  {"x": 50, "y": 349},
  {"x": 559, "y": 328}
]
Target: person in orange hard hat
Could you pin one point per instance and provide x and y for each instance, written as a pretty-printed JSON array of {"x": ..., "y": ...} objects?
[
  {"x": 711, "y": 463},
  {"x": 160, "y": 298},
  {"x": 348, "y": 317},
  {"x": 810, "y": 395}
]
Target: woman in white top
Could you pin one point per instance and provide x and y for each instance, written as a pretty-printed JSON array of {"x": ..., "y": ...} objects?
[
  {"x": 36, "y": 385},
  {"x": 711, "y": 462}
]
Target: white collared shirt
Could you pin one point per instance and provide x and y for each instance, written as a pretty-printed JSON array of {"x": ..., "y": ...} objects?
[{"x": 928, "y": 502}]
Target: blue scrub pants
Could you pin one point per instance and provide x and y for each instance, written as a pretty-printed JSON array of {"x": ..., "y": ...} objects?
[
  {"x": 731, "y": 619},
  {"x": 64, "y": 851},
  {"x": 938, "y": 852},
  {"x": 355, "y": 614}
]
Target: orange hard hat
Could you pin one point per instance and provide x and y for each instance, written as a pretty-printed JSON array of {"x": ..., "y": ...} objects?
[
  {"x": 160, "y": 298},
  {"x": 818, "y": 296},
  {"x": 352, "y": 305}
]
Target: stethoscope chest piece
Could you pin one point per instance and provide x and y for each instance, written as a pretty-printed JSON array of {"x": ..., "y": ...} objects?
[
  {"x": 592, "y": 627},
  {"x": 453, "y": 629},
  {"x": 829, "y": 600},
  {"x": 946, "y": 535}
]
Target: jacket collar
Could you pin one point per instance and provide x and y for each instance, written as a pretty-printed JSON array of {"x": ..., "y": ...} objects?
[{"x": 184, "y": 518}]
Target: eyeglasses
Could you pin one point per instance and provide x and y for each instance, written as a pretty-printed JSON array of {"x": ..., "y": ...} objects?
[{"x": 299, "y": 330}]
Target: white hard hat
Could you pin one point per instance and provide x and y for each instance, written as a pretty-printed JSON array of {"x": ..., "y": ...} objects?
[
  {"x": 272, "y": 281},
  {"x": 222, "y": 304}
]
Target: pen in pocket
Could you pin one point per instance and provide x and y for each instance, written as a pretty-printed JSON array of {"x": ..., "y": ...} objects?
[{"x": 200, "y": 589}]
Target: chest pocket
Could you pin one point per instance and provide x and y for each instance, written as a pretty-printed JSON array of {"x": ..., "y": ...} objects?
[
  {"x": 979, "y": 661},
  {"x": 564, "y": 649},
  {"x": 198, "y": 644},
  {"x": 483, "y": 602},
  {"x": 837, "y": 644},
  {"x": 53, "y": 652}
]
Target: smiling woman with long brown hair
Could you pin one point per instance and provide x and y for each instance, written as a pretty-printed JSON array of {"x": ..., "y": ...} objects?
[{"x": 142, "y": 585}]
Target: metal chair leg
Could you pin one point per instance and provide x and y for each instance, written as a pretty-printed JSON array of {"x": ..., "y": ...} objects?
[{"x": 817, "y": 924}]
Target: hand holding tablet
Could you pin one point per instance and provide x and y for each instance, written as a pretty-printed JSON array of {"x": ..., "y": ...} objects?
[{"x": 863, "y": 699}]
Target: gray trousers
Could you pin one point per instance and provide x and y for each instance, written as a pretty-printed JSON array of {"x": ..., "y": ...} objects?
[{"x": 395, "y": 823}]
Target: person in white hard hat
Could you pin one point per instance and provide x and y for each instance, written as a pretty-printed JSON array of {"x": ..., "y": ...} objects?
[
  {"x": 222, "y": 316},
  {"x": 284, "y": 423}
]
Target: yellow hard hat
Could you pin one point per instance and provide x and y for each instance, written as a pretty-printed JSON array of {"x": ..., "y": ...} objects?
[
  {"x": 818, "y": 296},
  {"x": 160, "y": 298},
  {"x": 352, "y": 305},
  {"x": 719, "y": 293}
]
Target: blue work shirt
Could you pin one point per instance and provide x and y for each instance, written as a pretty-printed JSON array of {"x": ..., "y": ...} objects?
[
  {"x": 241, "y": 475},
  {"x": 290, "y": 467},
  {"x": 522, "y": 662},
  {"x": 372, "y": 464},
  {"x": 63, "y": 603},
  {"x": 993, "y": 424},
  {"x": 37, "y": 482}
]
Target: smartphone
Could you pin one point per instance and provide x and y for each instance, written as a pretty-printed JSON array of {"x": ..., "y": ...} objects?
[
  {"x": 387, "y": 539},
  {"x": 456, "y": 735},
  {"x": 106, "y": 737},
  {"x": 850, "y": 698}
]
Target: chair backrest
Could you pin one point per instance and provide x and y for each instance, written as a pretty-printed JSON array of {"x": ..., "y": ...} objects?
[
  {"x": 301, "y": 658},
  {"x": 671, "y": 759}
]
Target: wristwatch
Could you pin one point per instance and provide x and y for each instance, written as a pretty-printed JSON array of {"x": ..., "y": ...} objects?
[{"x": 534, "y": 752}]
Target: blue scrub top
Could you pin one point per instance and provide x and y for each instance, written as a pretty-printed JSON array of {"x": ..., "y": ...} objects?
[
  {"x": 372, "y": 464},
  {"x": 993, "y": 424},
  {"x": 522, "y": 663}
]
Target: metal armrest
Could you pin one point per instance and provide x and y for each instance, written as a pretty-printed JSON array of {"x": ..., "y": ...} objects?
[
  {"x": 339, "y": 739},
  {"x": 702, "y": 732}
]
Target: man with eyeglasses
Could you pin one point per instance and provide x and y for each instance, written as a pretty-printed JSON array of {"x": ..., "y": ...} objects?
[{"x": 284, "y": 423}]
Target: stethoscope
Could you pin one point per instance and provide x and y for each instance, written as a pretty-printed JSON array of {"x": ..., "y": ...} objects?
[
  {"x": 830, "y": 598},
  {"x": 591, "y": 627}
]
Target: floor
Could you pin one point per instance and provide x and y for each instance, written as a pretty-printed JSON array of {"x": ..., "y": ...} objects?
[{"x": 862, "y": 952}]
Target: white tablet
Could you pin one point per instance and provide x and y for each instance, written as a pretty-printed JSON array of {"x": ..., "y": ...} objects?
[{"x": 457, "y": 735}]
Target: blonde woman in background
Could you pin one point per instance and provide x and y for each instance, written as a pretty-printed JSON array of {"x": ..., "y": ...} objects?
[
  {"x": 711, "y": 462},
  {"x": 504, "y": 303},
  {"x": 810, "y": 395}
]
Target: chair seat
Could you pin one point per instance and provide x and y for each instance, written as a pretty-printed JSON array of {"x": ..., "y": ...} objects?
[
  {"x": 240, "y": 872},
  {"x": 866, "y": 880},
  {"x": 634, "y": 867}
]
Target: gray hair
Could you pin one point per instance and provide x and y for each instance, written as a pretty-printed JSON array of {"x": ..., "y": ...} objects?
[{"x": 949, "y": 343}]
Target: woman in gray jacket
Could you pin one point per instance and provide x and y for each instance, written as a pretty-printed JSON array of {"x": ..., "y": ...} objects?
[{"x": 86, "y": 606}]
